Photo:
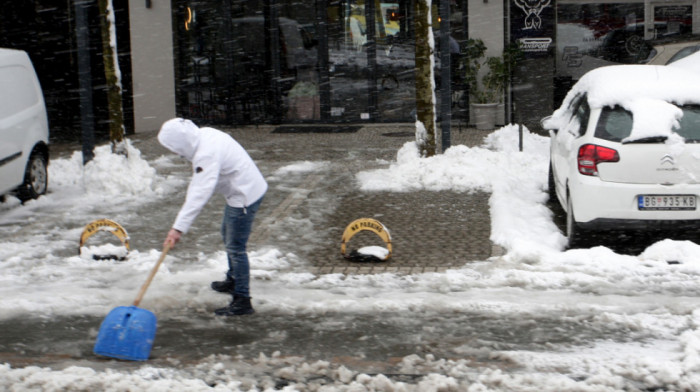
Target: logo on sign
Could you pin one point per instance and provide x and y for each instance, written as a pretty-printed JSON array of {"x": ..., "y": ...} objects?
[
  {"x": 532, "y": 10},
  {"x": 534, "y": 44}
]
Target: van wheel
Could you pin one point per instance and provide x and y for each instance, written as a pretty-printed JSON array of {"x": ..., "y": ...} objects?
[
  {"x": 36, "y": 178},
  {"x": 574, "y": 233}
]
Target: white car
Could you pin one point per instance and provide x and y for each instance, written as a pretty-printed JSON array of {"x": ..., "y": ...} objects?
[
  {"x": 665, "y": 54},
  {"x": 689, "y": 63},
  {"x": 24, "y": 130},
  {"x": 625, "y": 151}
]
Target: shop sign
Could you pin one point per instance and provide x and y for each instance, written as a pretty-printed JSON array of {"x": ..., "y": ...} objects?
[
  {"x": 534, "y": 44},
  {"x": 532, "y": 26}
]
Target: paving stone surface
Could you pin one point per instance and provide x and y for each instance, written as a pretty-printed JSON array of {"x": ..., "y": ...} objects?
[
  {"x": 306, "y": 213},
  {"x": 430, "y": 231}
]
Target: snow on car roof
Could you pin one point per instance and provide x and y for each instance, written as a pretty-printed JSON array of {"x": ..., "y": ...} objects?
[{"x": 647, "y": 91}]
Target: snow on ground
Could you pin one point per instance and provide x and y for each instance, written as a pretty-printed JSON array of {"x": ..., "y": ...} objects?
[{"x": 535, "y": 277}]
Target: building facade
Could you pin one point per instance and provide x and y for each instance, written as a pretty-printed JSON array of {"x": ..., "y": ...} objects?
[{"x": 232, "y": 62}]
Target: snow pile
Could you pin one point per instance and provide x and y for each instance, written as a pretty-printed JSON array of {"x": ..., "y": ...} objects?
[
  {"x": 107, "y": 174},
  {"x": 104, "y": 251},
  {"x": 674, "y": 252},
  {"x": 604, "y": 370}
]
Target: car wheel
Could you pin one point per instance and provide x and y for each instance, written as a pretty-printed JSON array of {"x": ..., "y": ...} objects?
[
  {"x": 574, "y": 233},
  {"x": 552, "y": 186},
  {"x": 558, "y": 215},
  {"x": 36, "y": 178},
  {"x": 634, "y": 44}
]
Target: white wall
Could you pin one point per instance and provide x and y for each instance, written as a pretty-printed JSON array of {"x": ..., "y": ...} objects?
[
  {"x": 486, "y": 22},
  {"x": 152, "y": 63}
]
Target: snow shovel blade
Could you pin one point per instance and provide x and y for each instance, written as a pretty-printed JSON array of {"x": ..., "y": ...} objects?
[{"x": 126, "y": 333}]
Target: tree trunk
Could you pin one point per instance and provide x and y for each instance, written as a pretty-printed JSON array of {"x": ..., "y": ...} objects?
[
  {"x": 112, "y": 74},
  {"x": 425, "y": 88}
]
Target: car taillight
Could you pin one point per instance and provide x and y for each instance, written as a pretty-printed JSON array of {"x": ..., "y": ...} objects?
[{"x": 590, "y": 155}]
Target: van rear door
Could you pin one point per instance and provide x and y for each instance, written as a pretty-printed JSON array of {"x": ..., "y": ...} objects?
[{"x": 19, "y": 100}]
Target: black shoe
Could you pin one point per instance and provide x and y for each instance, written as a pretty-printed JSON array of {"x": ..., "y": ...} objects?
[
  {"x": 224, "y": 286},
  {"x": 238, "y": 307}
]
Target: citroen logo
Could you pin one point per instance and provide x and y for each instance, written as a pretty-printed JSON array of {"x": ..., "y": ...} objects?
[{"x": 668, "y": 159}]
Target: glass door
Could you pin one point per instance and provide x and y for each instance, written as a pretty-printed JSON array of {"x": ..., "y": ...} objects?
[{"x": 347, "y": 61}]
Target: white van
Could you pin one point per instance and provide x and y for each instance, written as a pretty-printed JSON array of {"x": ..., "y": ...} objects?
[{"x": 24, "y": 130}]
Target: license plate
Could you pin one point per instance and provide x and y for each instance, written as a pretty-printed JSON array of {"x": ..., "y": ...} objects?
[{"x": 667, "y": 202}]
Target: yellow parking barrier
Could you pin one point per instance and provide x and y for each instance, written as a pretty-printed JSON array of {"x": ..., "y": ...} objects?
[
  {"x": 105, "y": 225},
  {"x": 365, "y": 224}
]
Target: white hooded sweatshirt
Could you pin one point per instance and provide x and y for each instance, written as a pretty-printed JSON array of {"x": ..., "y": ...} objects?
[{"x": 219, "y": 165}]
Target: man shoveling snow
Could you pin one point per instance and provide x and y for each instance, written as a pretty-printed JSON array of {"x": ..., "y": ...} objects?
[{"x": 219, "y": 164}]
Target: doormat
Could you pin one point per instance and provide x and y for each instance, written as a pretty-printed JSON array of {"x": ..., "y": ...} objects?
[
  {"x": 399, "y": 134},
  {"x": 317, "y": 129}
]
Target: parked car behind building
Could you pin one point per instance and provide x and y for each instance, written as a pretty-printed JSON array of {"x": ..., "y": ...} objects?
[
  {"x": 625, "y": 151},
  {"x": 689, "y": 63},
  {"x": 24, "y": 131},
  {"x": 668, "y": 53}
]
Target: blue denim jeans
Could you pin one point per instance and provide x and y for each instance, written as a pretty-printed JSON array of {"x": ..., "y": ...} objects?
[{"x": 235, "y": 229}]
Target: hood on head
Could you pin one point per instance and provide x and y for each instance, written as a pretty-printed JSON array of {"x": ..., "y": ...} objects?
[{"x": 180, "y": 136}]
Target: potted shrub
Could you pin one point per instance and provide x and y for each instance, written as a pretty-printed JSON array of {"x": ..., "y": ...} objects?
[
  {"x": 486, "y": 89},
  {"x": 304, "y": 102}
]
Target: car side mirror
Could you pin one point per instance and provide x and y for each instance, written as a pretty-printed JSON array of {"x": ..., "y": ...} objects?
[{"x": 546, "y": 125}]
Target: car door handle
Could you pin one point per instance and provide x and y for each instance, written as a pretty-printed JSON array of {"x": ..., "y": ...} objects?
[{"x": 10, "y": 158}]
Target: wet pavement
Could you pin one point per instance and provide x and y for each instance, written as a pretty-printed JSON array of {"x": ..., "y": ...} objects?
[
  {"x": 304, "y": 214},
  {"x": 549, "y": 325}
]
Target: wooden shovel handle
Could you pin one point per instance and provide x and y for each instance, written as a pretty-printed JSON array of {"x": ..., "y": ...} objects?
[{"x": 147, "y": 283}]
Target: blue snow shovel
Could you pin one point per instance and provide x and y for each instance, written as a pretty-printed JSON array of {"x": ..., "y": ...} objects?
[{"x": 128, "y": 331}]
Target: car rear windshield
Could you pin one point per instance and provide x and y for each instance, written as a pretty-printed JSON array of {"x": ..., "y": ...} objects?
[{"x": 615, "y": 124}]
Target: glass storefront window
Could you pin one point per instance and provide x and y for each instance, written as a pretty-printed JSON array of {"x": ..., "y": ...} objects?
[
  {"x": 597, "y": 34},
  {"x": 373, "y": 78},
  {"x": 233, "y": 70},
  {"x": 352, "y": 61},
  {"x": 299, "y": 62},
  {"x": 591, "y": 35}
]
